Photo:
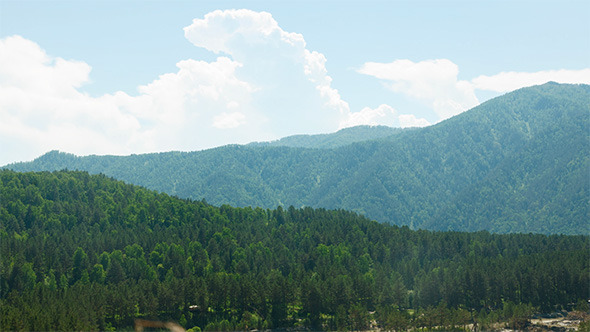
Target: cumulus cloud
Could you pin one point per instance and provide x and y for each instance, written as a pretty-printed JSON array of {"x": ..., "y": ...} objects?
[
  {"x": 436, "y": 83},
  {"x": 369, "y": 116},
  {"x": 234, "y": 32},
  {"x": 42, "y": 108},
  {"x": 229, "y": 120},
  {"x": 25, "y": 66},
  {"x": 432, "y": 81},
  {"x": 410, "y": 120},
  {"x": 265, "y": 84},
  {"x": 509, "y": 81},
  {"x": 382, "y": 115},
  {"x": 291, "y": 81}
]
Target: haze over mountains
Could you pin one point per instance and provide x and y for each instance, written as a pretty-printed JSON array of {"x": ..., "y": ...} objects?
[{"x": 517, "y": 163}]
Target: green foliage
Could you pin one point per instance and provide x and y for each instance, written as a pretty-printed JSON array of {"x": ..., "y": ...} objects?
[
  {"x": 394, "y": 319},
  {"x": 518, "y": 315},
  {"x": 582, "y": 305},
  {"x": 194, "y": 329},
  {"x": 89, "y": 259},
  {"x": 516, "y": 164}
]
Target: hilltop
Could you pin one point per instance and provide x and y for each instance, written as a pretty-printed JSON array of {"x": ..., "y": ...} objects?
[{"x": 340, "y": 138}]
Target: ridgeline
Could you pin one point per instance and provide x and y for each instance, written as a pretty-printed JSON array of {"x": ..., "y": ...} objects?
[{"x": 516, "y": 164}]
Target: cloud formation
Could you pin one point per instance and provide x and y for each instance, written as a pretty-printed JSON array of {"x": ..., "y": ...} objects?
[
  {"x": 509, "y": 81},
  {"x": 42, "y": 108},
  {"x": 432, "y": 81},
  {"x": 436, "y": 83},
  {"x": 410, "y": 120},
  {"x": 291, "y": 82},
  {"x": 383, "y": 114},
  {"x": 264, "y": 85},
  {"x": 369, "y": 116}
]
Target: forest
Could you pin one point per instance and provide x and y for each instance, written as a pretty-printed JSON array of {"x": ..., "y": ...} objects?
[
  {"x": 88, "y": 252},
  {"x": 518, "y": 163}
]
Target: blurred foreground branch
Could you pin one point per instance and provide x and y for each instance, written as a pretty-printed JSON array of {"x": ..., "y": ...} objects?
[{"x": 140, "y": 324}]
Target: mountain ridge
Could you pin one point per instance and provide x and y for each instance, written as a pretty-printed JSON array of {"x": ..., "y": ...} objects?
[
  {"x": 431, "y": 177},
  {"x": 340, "y": 138}
]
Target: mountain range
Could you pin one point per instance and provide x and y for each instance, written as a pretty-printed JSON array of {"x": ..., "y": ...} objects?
[{"x": 517, "y": 163}]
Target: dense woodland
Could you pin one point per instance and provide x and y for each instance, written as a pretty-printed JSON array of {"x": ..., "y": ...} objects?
[
  {"x": 517, "y": 163},
  {"x": 86, "y": 252}
]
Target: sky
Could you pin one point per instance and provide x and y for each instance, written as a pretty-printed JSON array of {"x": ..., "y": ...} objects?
[{"x": 129, "y": 77}]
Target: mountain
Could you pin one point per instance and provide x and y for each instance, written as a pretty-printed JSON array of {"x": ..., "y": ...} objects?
[
  {"x": 516, "y": 163},
  {"x": 340, "y": 138},
  {"x": 87, "y": 252}
]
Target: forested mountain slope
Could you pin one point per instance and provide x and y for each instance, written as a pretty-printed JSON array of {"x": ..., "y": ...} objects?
[
  {"x": 85, "y": 252},
  {"x": 517, "y": 163}
]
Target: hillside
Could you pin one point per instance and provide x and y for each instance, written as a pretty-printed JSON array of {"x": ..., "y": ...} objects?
[
  {"x": 517, "y": 163},
  {"x": 82, "y": 252}
]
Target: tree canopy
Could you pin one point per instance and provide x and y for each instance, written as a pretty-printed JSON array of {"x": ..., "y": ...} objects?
[{"x": 87, "y": 252}]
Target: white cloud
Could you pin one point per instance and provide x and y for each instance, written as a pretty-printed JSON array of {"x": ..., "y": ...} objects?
[
  {"x": 436, "y": 83},
  {"x": 26, "y": 66},
  {"x": 383, "y": 115},
  {"x": 42, "y": 108},
  {"x": 432, "y": 81},
  {"x": 369, "y": 116},
  {"x": 232, "y": 31},
  {"x": 292, "y": 84},
  {"x": 265, "y": 84},
  {"x": 410, "y": 120},
  {"x": 229, "y": 120},
  {"x": 509, "y": 81}
]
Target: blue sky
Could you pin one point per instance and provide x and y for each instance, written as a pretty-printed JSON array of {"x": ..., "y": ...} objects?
[{"x": 122, "y": 77}]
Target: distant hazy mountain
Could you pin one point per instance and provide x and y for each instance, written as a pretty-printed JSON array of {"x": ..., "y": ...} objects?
[
  {"x": 517, "y": 163},
  {"x": 340, "y": 138}
]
